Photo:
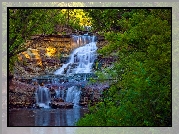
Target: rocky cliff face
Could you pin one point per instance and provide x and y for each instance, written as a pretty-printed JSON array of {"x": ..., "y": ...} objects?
[{"x": 44, "y": 56}]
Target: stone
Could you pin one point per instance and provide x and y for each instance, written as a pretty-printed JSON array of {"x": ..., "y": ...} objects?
[{"x": 64, "y": 105}]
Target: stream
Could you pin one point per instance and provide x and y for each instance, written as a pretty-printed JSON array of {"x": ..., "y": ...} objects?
[{"x": 80, "y": 63}]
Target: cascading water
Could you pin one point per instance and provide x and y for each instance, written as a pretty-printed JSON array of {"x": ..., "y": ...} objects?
[
  {"x": 73, "y": 95},
  {"x": 81, "y": 61},
  {"x": 43, "y": 97},
  {"x": 60, "y": 93}
]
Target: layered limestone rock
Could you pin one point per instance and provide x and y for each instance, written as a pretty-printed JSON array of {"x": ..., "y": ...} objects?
[{"x": 43, "y": 56}]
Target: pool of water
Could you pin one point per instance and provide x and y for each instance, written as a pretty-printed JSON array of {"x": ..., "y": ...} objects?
[{"x": 45, "y": 117}]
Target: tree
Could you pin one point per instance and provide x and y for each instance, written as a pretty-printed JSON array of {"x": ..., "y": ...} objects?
[
  {"x": 142, "y": 94},
  {"x": 23, "y": 23}
]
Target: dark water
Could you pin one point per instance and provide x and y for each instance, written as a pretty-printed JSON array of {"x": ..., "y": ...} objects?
[{"x": 45, "y": 117}]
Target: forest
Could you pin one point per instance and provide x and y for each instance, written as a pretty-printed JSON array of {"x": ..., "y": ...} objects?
[
  {"x": 137, "y": 39},
  {"x": 141, "y": 96}
]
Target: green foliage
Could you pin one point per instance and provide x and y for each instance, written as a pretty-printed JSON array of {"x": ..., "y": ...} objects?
[
  {"x": 142, "y": 94},
  {"x": 105, "y": 19},
  {"x": 12, "y": 63},
  {"x": 23, "y": 23}
]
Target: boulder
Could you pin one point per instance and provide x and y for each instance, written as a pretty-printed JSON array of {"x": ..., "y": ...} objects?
[{"x": 64, "y": 105}]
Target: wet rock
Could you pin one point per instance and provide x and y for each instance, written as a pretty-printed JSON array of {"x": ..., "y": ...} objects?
[
  {"x": 52, "y": 92},
  {"x": 58, "y": 100},
  {"x": 64, "y": 105}
]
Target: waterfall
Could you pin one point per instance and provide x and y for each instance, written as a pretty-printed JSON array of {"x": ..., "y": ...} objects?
[
  {"x": 73, "y": 95},
  {"x": 43, "y": 97},
  {"x": 60, "y": 93},
  {"x": 80, "y": 61},
  {"x": 82, "y": 58}
]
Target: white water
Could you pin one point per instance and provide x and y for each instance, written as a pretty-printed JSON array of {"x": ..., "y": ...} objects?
[
  {"x": 81, "y": 61},
  {"x": 43, "y": 97},
  {"x": 73, "y": 95}
]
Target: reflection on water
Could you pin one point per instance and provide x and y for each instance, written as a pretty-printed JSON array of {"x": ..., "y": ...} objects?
[
  {"x": 42, "y": 118},
  {"x": 45, "y": 117},
  {"x": 74, "y": 116}
]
